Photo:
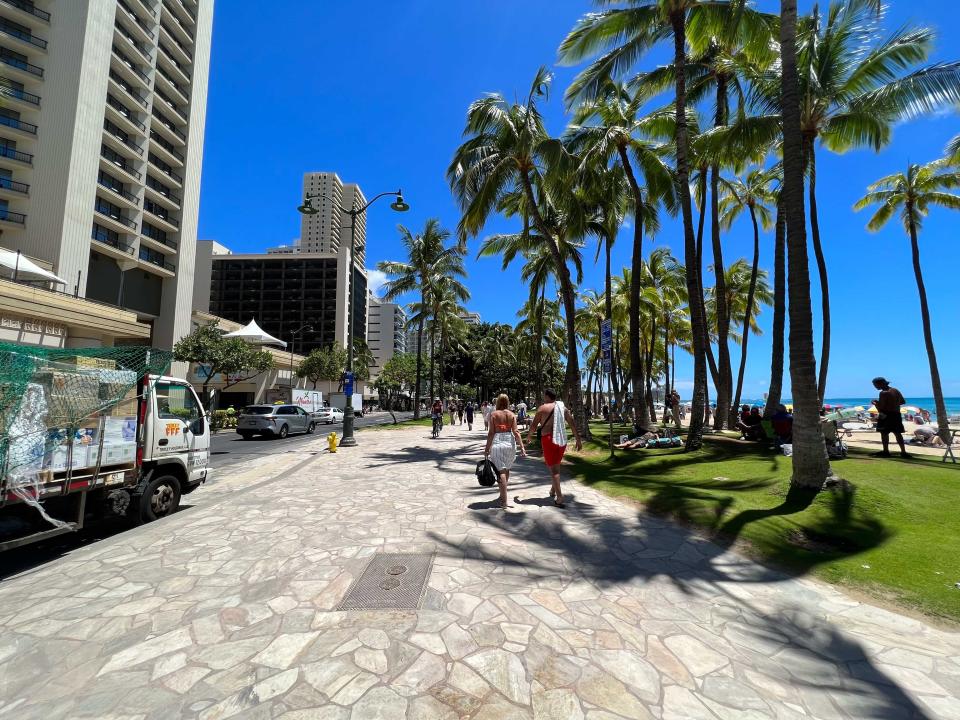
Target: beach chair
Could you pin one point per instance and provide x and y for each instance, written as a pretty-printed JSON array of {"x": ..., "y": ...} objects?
[{"x": 836, "y": 448}]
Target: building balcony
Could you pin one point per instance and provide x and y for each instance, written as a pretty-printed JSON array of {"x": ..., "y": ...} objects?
[
  {"x": 107, "y": 244},
  {"x": 133, "y": 22},
  {"x": 149, "y": 8},
  {"x": 114, "y": 221},
  {"x": 134, "y": 74},
  {"x": 158, "y": 165},
  {"x": 166, "y": 151},
  {"x": 156, "y": 264},
  {"x": 125, "y": 37},
  {"x": 123, "y": 116},
  {"x": 16, "y": 158},
  {"x": 165, "y": 60},
  {"x": 123, "y": 87},
  {"x": 115, "y": 136},
  {"x": 13, "y": 97},
  {"x": 183, "y": 31},
  {"x": 167, "y": 104},
  {"x": 18, "y": 127},
  {"x": 158, "y": 216},
  {"x": 11, "y": 219},
  {"x": 24, "y": 11},
  {"x": 113, "y": 162},
  {"x": 176, "y": 49},
  {"x": 171, "y": 87},
  {"x": 18, "y": 68},
  {"x": 118, "y": 194},
  {"x": 12, "y": 188},
  {"x": 167, "y": 247},
  {"x": 21, "y": 40},
  {"x": 166, "y": 129},
  {"x": 161, "y": 194},
  {"x": 188, "y": 10}
]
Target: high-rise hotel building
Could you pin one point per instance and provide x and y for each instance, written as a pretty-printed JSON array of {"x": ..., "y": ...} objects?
[{"x": 102, "y": 112}]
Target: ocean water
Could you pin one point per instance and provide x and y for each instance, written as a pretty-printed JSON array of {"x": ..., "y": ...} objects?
[{"x": 925, "y": 403}]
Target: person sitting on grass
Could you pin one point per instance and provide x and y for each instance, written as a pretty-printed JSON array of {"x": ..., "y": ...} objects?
[
  {"x": 926, "y": 434},
  {"x": 638, "y": 439},
  {"x": 752, "y": 426}
]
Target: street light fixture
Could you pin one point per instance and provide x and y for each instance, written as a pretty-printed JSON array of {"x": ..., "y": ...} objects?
[
  {"x": 292, "y": 336},
  {"x": 307, "y": 208}
]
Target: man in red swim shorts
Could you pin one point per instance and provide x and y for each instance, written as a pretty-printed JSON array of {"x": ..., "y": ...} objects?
[{"x": 552, "y": 418}]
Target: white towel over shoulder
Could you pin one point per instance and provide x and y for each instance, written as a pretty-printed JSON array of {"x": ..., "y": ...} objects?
[{"x": 559, "y": 436}]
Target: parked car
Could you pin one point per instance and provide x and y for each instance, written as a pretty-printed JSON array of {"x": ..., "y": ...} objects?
[
  {"x": 274, "y": 420},
  {"x": 329, "y": 415}
]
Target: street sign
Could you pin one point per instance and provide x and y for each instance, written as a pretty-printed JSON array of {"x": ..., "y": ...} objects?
[
  {"x": 607, "y": 365},
  {"x": 606, "y": 334},
  {"x": 348, "y": 384}
]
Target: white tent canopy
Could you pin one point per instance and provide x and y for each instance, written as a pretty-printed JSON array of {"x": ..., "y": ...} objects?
[
  {"x": 23, "y": 267},
  {"x": 253, "y": 334}
]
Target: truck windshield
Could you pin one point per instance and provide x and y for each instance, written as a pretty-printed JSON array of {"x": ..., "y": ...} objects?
[
  {"x": 258, "y": 410},
  {"x": 176, "y": 402}
]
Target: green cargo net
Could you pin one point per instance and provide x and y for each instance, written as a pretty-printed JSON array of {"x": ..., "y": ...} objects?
[{"x": 55, "y": 402}]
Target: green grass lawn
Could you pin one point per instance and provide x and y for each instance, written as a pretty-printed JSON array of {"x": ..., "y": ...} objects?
[{"x": 892, "y": 533}]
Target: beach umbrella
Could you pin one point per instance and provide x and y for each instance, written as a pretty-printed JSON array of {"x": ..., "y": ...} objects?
[
  {"x": 909, "y": 410},
  {"x": 859, "y": 408},
  {"x": 840, "y": 414},
  {"x": 873, "y": 410}
]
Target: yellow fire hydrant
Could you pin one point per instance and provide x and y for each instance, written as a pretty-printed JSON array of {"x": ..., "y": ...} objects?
[{"x": 332, "y": 442}]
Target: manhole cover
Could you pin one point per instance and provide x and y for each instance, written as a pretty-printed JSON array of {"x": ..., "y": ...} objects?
[{"x": 390, "y": 581}]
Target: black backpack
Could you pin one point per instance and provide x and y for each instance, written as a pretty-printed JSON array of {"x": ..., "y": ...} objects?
[{"x": 486, "y": 473}]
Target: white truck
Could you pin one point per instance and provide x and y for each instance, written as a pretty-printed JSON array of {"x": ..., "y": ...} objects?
[
  {"x": 339, "y": 400},
  {"x": 135, "y": 457}
]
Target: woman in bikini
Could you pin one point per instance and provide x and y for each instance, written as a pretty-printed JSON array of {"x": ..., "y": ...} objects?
[
  {"x": 502, "y": 440},
  {"x": 554, "y": 448}
]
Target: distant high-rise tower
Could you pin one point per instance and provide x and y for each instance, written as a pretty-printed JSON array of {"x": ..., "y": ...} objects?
[{"x": 326, "y": 231}]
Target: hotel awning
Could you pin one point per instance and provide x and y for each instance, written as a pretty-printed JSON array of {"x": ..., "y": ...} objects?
[{"x": 23, "y": 268}]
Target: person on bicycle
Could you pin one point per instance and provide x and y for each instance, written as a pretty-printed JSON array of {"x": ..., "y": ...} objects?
[{"x": 436, "y": 413}]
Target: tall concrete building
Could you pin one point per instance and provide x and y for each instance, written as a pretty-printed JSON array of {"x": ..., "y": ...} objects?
[
  {"x": 386, "y": 322},
  {"x": 326, "y": 231},
  {"x": 102, "y": 113}
]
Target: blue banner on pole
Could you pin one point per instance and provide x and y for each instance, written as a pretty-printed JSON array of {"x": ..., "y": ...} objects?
[{"x": 348, "y": 384}]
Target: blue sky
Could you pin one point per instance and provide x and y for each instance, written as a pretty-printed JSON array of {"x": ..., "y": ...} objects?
[{"x": 379, "y": 95}]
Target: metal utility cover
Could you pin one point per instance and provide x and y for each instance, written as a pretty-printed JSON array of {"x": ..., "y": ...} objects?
[{"x": 391, "y": 581}]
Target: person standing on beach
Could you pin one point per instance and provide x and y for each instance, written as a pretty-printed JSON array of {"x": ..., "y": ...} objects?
[
  {"x": 552, "y": 418},
  {"x": 889, "y": 420}
]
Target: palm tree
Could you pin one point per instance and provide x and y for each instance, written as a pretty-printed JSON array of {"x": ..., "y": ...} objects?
[
  {"x": 626, "y": 33},
  {"x": 508, "y": 150},
  {"x": 751, "y": 193},
  {"x": 779, "y": 310},
  {"x": 608, "y": 129},
  {"x": 851, "y": 94},
  {"x": 810, "y": 465},
  {"x": 912, "y": 194},
  {"x": 428, "y": 260}
]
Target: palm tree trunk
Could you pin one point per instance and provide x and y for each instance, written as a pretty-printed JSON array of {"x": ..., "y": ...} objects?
[
  {"x": 538, "y": 363},
  {"x": 667, "y": 405},
  {"x": 416, "y": 391},
  {"x": 941, "y": 407},
  {"x": 749, "y": 312},
  {"x": 698, "y": 321},
  {"x": 810, "y": 465},
  {"x": 568, "y": 296},
  {"x": 433, "y": 355},
  {"x": 822, "y": 270},
  {"x": 443, "y": 333},
  {"x": 608, "y": 291},
  {"x": 650, "y": 358},
  {"x": 636, "y": 282},
  {"x": 724, "y": 389},
  {"x": 779, "y": 313}
]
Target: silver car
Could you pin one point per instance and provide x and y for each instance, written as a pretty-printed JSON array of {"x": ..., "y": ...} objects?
[
  {"x": 274, "y": 420},
  {"x": 329, "y": 415}
]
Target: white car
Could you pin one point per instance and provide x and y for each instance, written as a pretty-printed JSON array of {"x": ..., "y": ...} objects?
[{"x": 329, "y": 415}]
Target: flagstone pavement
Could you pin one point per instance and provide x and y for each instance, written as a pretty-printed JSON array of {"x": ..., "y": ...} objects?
[{"x": 596, "y": 612}]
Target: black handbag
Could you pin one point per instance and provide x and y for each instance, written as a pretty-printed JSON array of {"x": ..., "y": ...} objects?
[
  {"x": 486, "y": 473},
  {"x": 540, "y": 429}
]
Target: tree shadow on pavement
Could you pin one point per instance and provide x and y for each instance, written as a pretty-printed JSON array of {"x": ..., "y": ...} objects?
[{"x": 588, "y": 542}]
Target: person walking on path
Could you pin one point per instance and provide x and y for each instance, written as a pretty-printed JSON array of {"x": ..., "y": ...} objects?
[
  {"x": 452, "y": 411},
  {"x": 486, "y": 411},
  {"x": 552, "y": 418},
  {"x": 469, "y": 412},
  {"x": 502, "y": 440},
  {"x": 889, "y": 419},
  {"x": 460, "y": 411}
]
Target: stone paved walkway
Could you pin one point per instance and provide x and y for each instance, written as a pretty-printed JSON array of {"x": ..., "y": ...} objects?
[{"x": 597, "y": 612}]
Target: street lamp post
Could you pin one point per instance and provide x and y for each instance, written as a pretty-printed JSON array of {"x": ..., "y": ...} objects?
[
  {"x": 292, "y": 336},
  {"x": 398, "y": 205}
]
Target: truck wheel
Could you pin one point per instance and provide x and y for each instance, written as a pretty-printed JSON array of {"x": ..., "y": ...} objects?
[
  {"x": 283, "y": 432},
  {"x": 311, "y": 427},
  {"x": 160, "y": 498}
]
